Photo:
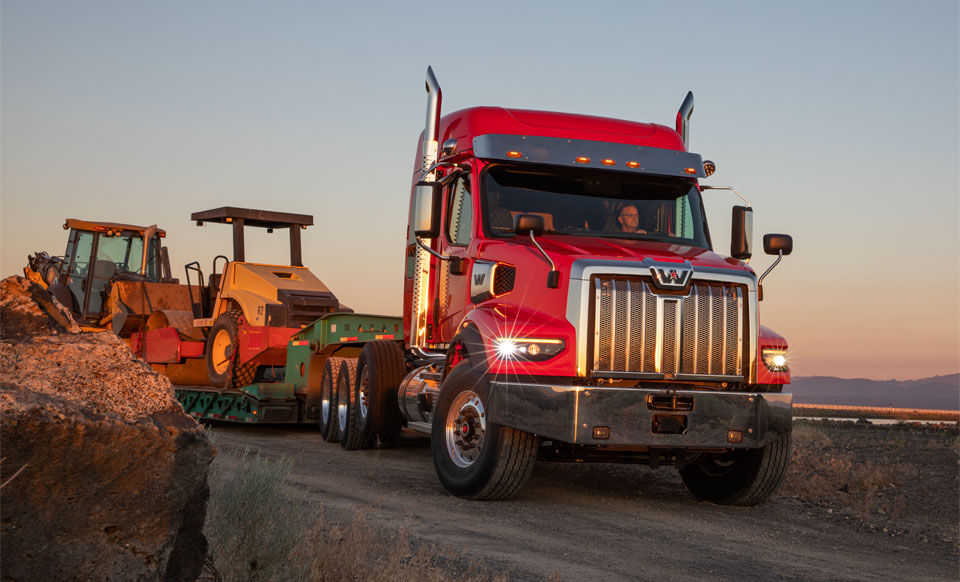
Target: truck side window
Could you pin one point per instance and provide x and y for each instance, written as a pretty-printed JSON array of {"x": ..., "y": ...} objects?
[{"x": 460, "y": 213}]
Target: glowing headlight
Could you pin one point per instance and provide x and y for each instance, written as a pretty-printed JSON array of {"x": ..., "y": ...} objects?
[
  {"x": 527, "y": 348},
  {"x": 775, "y": 360}
]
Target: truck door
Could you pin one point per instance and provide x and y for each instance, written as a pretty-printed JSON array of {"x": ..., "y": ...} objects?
[{"x": 452, "y": 301}]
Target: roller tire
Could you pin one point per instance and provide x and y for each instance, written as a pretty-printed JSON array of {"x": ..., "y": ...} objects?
[
  {"x": 328, "y": 399},
  {"x": 505, "y": 457},
  {"x": 347, "y": 431},
  {"x": 380, "y": 369},
  {"x": 740, "y": 477},
  {"x": 222, "y": 347}
]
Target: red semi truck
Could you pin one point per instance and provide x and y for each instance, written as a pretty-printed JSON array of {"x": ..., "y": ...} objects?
[{"x": 563, "y": 302}]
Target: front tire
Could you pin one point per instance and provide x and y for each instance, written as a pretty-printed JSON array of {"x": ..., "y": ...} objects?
[
  {"x": 739, "y": 477},
  {"x": 475, "y": 458}
]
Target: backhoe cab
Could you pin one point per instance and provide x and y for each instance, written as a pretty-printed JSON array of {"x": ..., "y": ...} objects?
[{"x": 97, "y": 255}]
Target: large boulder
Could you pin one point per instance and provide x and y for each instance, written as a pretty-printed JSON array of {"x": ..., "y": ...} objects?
[{"x": 103, "y": 475}]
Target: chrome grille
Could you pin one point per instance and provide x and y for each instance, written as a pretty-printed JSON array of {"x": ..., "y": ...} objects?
[{"x": 639, "y": 331}]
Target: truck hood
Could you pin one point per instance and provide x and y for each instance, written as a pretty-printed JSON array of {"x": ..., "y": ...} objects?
[{"x": 564, "y": 250}]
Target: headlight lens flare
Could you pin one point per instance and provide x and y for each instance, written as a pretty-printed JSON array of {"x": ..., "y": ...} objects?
[
  {"x": 775, "y": 360},
  {"x": 527, "y": 349}
]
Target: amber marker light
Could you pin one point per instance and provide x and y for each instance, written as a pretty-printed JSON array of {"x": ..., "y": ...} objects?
[
  {"x": 690, "y": 170},
  {"x": 608, "y": 162},
  {"x": 514, "y": 154},
  {"x": 582, "y": 160},
  {"x": 633, "y": 164},
  {"x": 734, "y": 436}
]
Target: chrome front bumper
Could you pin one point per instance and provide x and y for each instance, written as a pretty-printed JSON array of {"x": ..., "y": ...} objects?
[{"x": 693, "y": 419}]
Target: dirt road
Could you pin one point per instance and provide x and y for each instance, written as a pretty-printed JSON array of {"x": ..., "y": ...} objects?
[{"x": 594, "y": 522}]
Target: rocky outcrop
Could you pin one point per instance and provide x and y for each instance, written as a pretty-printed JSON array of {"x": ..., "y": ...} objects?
[{"x": 103, "y": 476}]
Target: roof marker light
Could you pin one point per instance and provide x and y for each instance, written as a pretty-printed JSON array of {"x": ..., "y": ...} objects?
[
  {"x": 582, "y": 160},
  {"x": 633, "y": 164},
  {"x": 514, "y": 154},
  {"x": 608, "y": 162},
  {"x": 690, "y": 170}
]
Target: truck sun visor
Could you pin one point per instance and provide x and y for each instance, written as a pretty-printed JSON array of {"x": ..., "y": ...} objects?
[{"x": 592, "y": 154}]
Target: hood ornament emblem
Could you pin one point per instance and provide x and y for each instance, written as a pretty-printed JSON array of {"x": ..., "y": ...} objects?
[{"x": 672, "y": 276}]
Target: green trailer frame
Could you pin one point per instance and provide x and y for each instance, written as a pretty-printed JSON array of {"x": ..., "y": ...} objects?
[{"x": 289, "y": 402}]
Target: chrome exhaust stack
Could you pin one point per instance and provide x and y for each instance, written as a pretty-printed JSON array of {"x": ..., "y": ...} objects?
[
  {"x": 683, "y": 120},
  {"x": 418, "y": 328},
  {"x": 432, "y": 129}
]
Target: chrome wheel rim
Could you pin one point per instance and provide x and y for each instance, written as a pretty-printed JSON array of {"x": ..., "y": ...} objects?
[
  {"x": 465, "y": 429},
  {"x": 325, "y": 402},
  {"x": 341, "y": 412},
  {"x": 363, "y": 395}
]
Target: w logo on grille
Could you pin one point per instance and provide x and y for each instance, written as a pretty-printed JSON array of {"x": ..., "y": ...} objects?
[
  {"x": 478, "y": 278},
  {"x": 672, "y": 277}
]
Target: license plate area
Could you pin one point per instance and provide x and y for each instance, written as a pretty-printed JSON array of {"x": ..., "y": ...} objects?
[{"x": 669, "y": 423}]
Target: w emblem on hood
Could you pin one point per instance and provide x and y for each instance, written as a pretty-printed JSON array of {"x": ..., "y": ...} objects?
[{"x": 672, "y": 276}]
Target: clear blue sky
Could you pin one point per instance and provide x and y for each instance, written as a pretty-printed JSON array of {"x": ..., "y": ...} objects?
[{"x": 838, "y": 119}]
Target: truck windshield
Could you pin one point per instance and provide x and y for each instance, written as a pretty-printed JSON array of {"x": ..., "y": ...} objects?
[{"x": 594, "y": 203}]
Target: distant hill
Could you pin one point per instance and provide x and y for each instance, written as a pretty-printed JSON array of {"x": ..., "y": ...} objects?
[{"x": 938, "y": 392}]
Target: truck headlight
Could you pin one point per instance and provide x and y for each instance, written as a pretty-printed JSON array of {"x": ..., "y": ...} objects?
[
  {"x": 511, "y": 348},
  {"x": 775, "y": 359}
]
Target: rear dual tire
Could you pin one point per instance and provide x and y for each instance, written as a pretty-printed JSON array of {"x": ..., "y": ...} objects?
[
  {"x": 372, "y": 412},
  {"x": 328, "y": 398}
]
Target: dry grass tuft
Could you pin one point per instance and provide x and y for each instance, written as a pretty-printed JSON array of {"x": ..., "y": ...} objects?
[{"x": 257, "y": 534}]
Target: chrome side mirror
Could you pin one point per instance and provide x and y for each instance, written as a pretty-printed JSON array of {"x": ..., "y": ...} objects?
[
  {"x": 529, "y": 224},
  {"x": 775, "y": 244},
  {"x": 426, "y": 209},
  {"x": 741, "y": 233}
]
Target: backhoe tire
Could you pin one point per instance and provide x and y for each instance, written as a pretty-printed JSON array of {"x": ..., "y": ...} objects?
[
  {"x": 474, "y": 458},
  {"x": 328, "y": 399},
  {"x": 347, "y": 431},
  {"x": 739, "y": 477},
  {"x": 223, "y": 366},
  {"x": 380, "y": 368}
]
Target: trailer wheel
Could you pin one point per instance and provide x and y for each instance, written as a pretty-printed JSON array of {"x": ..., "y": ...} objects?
[
  {"x": 739, "y": 477},
  {"x": 223, "y": 367},
  {"x": 328, "y": 399},
  {"x": 346, "y": 413},
  {"x": 474, "y": 458},
  {"x": 380, "y": 369}
]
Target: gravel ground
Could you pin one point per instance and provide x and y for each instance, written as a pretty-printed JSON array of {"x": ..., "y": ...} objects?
[{"x": 860, "y": 503}]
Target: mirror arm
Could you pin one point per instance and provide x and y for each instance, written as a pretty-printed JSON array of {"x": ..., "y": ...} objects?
[
  {"x": 730, "y": 188},
  {"x": 770, "y": 268},
  {"x": 431, "y": 251},
  {"x": 441, "y": 164},
  {"x": 542, "y": 252}
]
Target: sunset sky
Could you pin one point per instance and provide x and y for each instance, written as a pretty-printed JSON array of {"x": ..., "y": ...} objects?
[{"x": 839, "y": 120}]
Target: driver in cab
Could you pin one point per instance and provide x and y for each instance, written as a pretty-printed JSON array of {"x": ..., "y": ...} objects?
[{"x": 629, "y": 220}]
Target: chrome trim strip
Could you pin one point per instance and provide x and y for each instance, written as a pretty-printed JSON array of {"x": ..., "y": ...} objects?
[{"x": 658, "y": 376}]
